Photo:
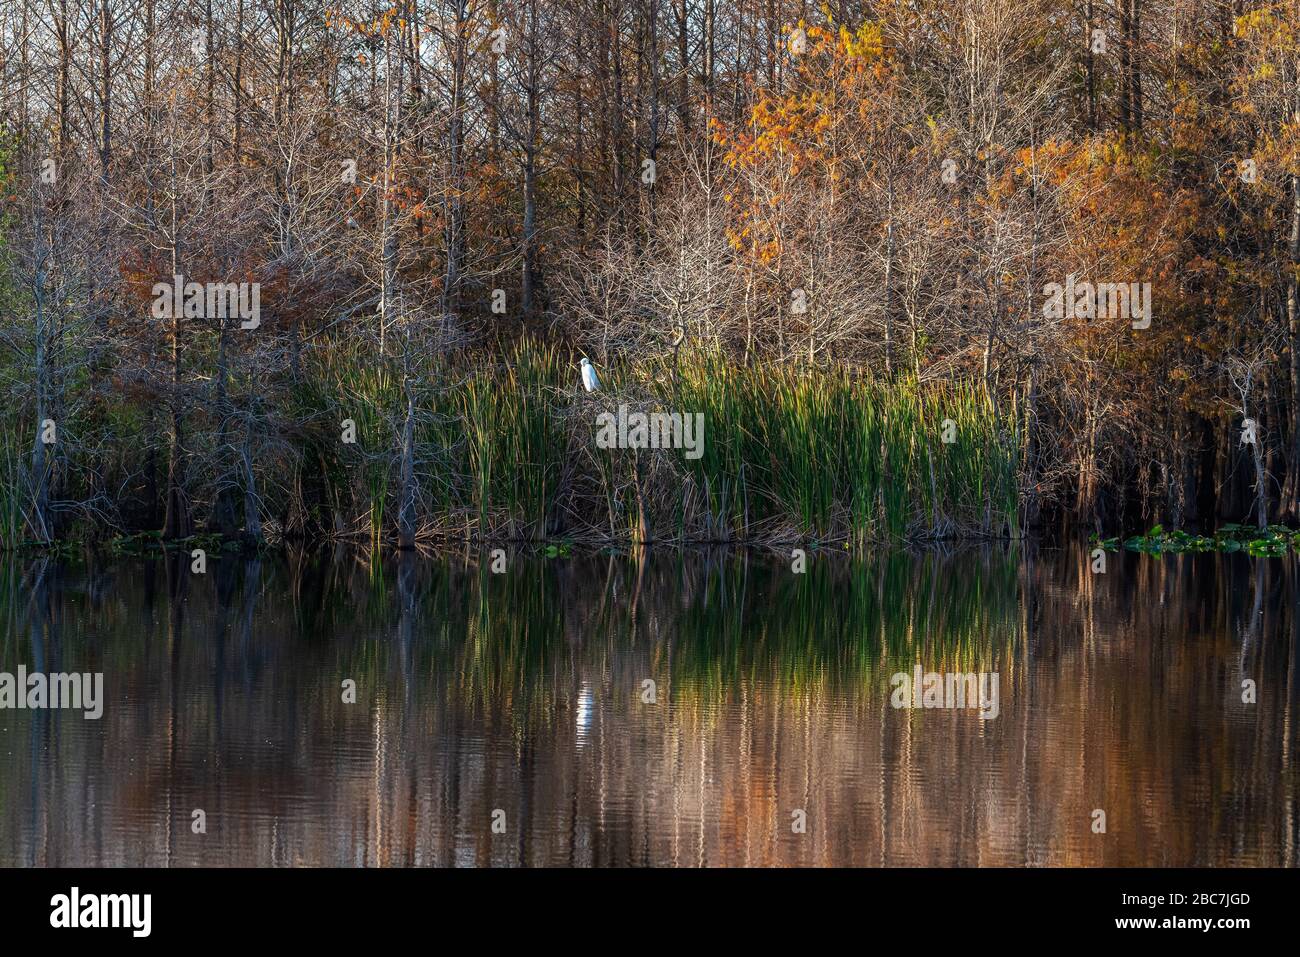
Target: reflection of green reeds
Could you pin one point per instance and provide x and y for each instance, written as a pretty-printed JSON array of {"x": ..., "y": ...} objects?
[
  {"x": 889, "y": 612},
  {"x": 701, "y": 625},
  {"x": 452, "y": 633}
]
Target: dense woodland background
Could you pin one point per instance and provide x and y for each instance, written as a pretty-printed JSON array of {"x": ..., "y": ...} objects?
[{"x": 711, "y": 199}]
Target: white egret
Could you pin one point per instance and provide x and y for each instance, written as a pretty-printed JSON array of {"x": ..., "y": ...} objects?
[{"x": 589, "y": 380}]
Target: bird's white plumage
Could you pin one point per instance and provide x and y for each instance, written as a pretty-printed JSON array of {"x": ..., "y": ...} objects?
[{"x": 589, "y": 380}]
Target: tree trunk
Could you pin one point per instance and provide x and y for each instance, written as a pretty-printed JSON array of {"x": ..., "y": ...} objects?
[
  {"x": 40, "y": 480},
  {"x": 683, "y": 66},
  {"x": 105, "y": 90},
  {"x": 529, "y": 279},
  {"x": 887, "y": 285},
  {"x": 1261, "y": 475},
  {"x": 176, "y": 519},
  {"x": 455, "y": 204},
  {"x": 1290, "y": 504},
  {"x": 406, "y": 490}
]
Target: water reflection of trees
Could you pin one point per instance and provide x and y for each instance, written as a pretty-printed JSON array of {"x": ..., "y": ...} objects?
[{"x": 522, "y": 691}]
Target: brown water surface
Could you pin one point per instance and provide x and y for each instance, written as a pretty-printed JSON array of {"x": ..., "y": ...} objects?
[{"x": 522, "y": 698}]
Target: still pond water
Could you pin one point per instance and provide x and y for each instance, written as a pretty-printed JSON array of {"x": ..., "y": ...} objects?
[{"x": 522, "y": 698}]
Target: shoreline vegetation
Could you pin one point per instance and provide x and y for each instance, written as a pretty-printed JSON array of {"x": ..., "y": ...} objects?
[
  {"x": 1271, "y": 542},
  {"x": 325, "y": 271},
  {"x": 505, "y": 450}
]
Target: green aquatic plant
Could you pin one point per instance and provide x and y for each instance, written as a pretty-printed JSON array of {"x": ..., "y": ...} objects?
[
  {"x": 502, "y": 446},
  {"x": 1275, "y": 541},
  {"x": 835, "y": 454}
]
